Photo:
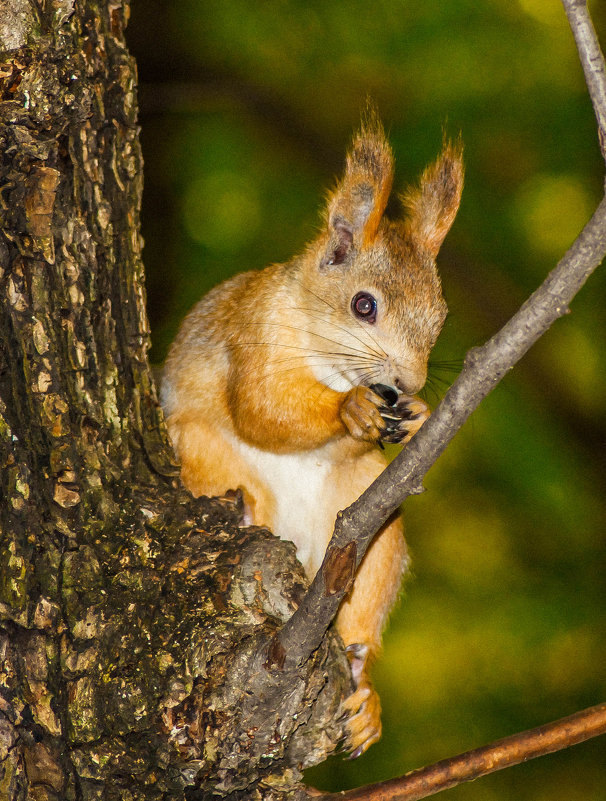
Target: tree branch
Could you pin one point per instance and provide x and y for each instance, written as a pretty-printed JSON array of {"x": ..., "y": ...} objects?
[
  {"x": 592, "y": 60},
  {"x": 484, "y": 368},
  {"x": 480, "y": 762}
]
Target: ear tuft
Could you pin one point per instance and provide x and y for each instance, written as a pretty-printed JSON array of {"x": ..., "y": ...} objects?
[
  {"x": 433, "y": 205},
  {"x": 358, "y": 202}
]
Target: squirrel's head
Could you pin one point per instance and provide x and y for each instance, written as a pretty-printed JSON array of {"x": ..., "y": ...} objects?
[{"x": 377, "y": 277}]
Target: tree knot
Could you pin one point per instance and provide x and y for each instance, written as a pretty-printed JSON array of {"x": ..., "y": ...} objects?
[{"x": 339, "y": 568}]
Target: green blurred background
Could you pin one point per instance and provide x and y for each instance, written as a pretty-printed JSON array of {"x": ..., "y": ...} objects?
[{"x": 246, "y": 109}]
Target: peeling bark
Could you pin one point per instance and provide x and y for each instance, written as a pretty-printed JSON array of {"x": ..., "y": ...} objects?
[{"x": 133, "y": 620}]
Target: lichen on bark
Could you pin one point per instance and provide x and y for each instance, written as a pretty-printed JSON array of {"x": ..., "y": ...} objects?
[{"x": 133, "y": 619}]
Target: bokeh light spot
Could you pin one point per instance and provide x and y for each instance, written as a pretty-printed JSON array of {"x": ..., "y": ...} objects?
[
  {"x": 545, "y": 11},
  {"x": 221, "y": 211},
  {"x": 551, "y": 210}
]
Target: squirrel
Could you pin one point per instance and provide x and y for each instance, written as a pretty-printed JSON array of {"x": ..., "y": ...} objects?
[{"x": 282, "y": 382}]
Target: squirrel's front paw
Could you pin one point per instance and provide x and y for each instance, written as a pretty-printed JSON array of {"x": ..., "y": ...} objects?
[
  {"x": 360, "y": 414},
  {"x": 362, "y": 707},
  {"x": 403, "y": 415}
]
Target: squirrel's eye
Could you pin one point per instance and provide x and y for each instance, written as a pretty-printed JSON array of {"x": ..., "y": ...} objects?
[{"x": 364, "y": 306}]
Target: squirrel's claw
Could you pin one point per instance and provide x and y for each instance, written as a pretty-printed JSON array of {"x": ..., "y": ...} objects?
[
  {"x": 364, "y": 720},
  {"x": 363, "y": 707},
  {"x": 402, "y": 421},
  {"x": 379, "y": 413}
]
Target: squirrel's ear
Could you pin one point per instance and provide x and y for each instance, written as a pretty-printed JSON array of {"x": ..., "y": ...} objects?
[
  {"x": 432, "y": 206},
  {"x": 357, "y": 204}
]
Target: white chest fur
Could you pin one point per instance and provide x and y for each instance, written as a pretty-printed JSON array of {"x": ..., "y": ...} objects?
[{"x": 302, "y": 485}]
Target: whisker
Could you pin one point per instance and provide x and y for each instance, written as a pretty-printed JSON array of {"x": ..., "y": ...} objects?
[
  {"x": 330, "y": 306},
  {"x": 367, "y": 377},
  {"x": 313, "y": 334},
  {"x": 295, "y": 367},
  {"x": 327, "y": 353},
  {"x": 368, "y": 333},
  {"x": 436, "y": 386},
  {"x": 436, "y": 379},
  {"x": 329, "y": 381},
  {"x": 314, "y": 294},
  {"x": 379, "y": 353},
  {"x": 428, "y": 391},
  {"x": 452, "y": 365},
  {"x": 296, "y": 362}
]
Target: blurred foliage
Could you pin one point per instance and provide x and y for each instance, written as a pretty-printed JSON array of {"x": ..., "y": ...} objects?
[{"x": 246, "y": 110}]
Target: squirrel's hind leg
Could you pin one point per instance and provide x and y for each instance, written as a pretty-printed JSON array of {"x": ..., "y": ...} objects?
[{"x": 360, "y": 622}]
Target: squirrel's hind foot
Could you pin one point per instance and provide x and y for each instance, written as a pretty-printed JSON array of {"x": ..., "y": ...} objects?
[{"x": 362, "y": 708}]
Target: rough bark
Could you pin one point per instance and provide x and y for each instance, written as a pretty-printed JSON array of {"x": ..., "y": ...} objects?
[
  {"x": 130, "y": 615},
  {"x": 142, "y": 652}
]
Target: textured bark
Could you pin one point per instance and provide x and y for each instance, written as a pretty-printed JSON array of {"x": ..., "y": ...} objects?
[
  {"x": 142, "y": 652},
  {"x": 133, "y": 620}
]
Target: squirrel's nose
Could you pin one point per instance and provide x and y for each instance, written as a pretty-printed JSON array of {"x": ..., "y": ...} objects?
[
  {"x": 411, "y": 382},
  {"x": 403, "y": 386}
]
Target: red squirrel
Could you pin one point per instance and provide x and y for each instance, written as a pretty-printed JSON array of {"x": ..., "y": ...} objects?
[{"x": 283, "y": 381}]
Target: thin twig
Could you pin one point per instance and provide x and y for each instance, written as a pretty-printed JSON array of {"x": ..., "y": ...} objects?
[
  {"x": 592, "y": 60},
  {"x": 480, "y": 762}
]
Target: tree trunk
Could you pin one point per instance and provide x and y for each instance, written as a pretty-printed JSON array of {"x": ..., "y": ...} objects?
[{"x": 133, "y": 620}]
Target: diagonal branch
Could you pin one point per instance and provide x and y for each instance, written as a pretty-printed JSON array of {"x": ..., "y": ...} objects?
[
  {"x": 472, "y": 765},
  {"x": 484, "y": 368}
]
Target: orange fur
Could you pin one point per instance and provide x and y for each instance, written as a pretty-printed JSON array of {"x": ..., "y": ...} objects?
[
  {"x": 209, "y": 464},
  {"x": 267, "y": 385},
  {"x": 433, "y": 205},
  {"x": 361, "y": 197}
]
